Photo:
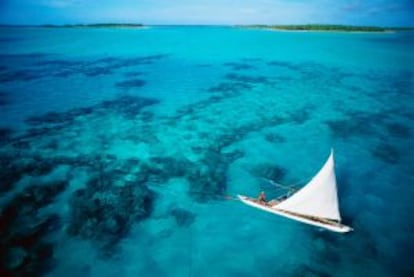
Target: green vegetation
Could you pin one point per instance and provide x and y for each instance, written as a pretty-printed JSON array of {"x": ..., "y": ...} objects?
[
  {"x": 333, "y": 28},
  {"x": 96, "y": 25}
]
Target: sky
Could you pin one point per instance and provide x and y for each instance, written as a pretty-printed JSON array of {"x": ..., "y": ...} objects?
[{"x": 227, "y": 12}]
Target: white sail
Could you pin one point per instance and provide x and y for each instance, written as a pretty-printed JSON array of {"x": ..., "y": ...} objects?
[{"x": 318, "y": 198}]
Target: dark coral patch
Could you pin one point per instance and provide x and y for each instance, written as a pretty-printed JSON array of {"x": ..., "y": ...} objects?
[
  {"x": 328, "y": 248},
  {"x": 146, "y": 116},
  {"x": 28, "y": 236},
  {"x": 305, "y": 270},
  {"x": 13, "y": 58},
  {"x": 314, "y": 71},
  {"x": 247, "y": 78},
  {"x": 230, "y": 87},
  {"x": 24, "y": 140},
  {"x": 239, "y": 66},
  {"x": 98, "y": 71},
  {"x": 233, "y": 156},
  {"x": 119, "y": 63},
  {"x": 20, "y": 75},
  {"x": 300, "y": 116},
  {"x": 209, "y": 181},
  {"x": 129, "y": 62},
  {"x": 58, "y": 117},
  {"x": 26, "y": 204},
  {"x": 4, "y": 98},
  {"x": 207, "y": 184},
  {"x": 9, "y": 175},
  {"x": 183, "y": 217},
  {"x": 386, "y": 153},
  {"x": 161, "y": 169},
  {"x": 345, "y": 128},
  {"x": 23, "y": 231},
  {"x": 133, "y": 74},
  {"x": 168, "y": 167},
  {"x": 105, "y": 213},
  {"x": 133, "y": 83},
  {"x": 58, "y": 63},
  {"x": 63, "y": 73},
  {"x": 128, "y": 106},
  {"x": 107, "y": 60},
  {"x": 35, "y": 260},
  {"x": 38, "y": 196},
  {"x": 36, "y": 166},
  {"x": 5, "y": 134},
  {"x": 274, "y": 138},
  {"x": 66, "y": 68},
  {"x": 12, "y": 169},
  {"x": 398, "y": 130}
]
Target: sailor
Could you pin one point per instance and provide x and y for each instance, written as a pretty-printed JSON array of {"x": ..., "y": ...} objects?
[{"x": 262, "y": 198}]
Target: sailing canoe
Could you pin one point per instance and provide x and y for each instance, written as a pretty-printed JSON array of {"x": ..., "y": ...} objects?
[{"x": 315, "y": 204}]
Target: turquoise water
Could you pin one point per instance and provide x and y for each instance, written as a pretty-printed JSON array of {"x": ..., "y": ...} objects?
[{"x": 119, "y": 148}]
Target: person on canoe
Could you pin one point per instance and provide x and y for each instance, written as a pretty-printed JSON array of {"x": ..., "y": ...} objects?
[{"x": 262, "y": 198}]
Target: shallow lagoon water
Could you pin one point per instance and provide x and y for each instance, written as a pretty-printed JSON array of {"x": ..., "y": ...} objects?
[{"x": 120, "y": 147}]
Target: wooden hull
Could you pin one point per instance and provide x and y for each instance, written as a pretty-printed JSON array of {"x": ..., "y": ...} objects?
[{"x": 331, "y": 227}]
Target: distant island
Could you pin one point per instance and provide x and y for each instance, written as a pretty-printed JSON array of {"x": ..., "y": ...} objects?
[
  {"x": 304, "y": 27},
  {"x": 328, "y": 28},
  {"x": 95, "y": 25}
]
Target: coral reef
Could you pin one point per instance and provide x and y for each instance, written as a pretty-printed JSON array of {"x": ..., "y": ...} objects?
[
  {"x": 24, "y": 246},
  {"x": 105, "y": 213}
]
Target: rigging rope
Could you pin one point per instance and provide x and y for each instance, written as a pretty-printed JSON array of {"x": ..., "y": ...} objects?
[{"x": 291, "y": 188}]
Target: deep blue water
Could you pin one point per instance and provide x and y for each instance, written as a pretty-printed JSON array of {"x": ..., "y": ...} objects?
[{"x": 119, "y": 147}]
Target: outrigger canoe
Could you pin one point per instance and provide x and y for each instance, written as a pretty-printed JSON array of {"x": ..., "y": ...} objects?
[{"x": 315, "y": 204}]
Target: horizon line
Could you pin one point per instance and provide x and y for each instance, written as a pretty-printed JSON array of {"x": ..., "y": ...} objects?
[{"x": 195, "y": 24}]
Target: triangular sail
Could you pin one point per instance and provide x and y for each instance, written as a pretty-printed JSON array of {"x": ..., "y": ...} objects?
[{"x": 319, "y": 197}]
